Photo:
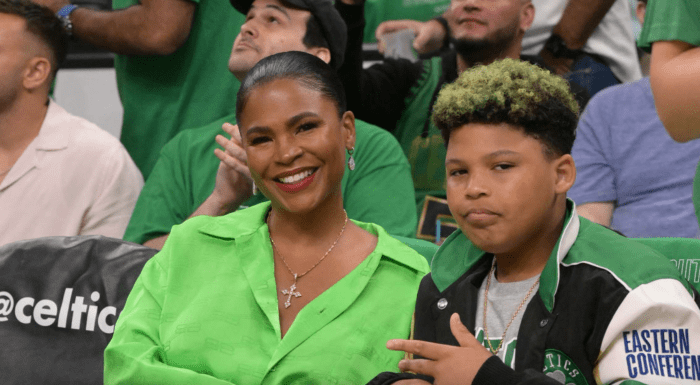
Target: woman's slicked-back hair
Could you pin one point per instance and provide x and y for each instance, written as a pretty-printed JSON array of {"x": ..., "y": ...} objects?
[{"x": 310, "y": 71}]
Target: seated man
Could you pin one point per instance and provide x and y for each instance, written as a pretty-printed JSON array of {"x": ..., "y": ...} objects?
[
  {"x": 631, "y": 175},
  {"x": 579, "y": 303},
  {"x": 59, "y": 174},
  {"x": 588, "y": 42},
  {"x": 185, "y": 181}
]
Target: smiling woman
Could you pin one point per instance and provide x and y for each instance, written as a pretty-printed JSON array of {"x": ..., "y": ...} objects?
[
  {"x": 295, "y": 131},
  {"x": 282, "y": 292}
]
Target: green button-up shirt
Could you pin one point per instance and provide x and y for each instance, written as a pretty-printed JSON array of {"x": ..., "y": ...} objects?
[{"x": 204, "y": 311}]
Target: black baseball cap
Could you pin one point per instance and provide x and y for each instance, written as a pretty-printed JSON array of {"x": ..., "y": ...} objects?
[{"x": 332, "y": 24}]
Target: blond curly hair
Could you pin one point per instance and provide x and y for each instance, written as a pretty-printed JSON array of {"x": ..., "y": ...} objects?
[{"x": 513, "y": 92}]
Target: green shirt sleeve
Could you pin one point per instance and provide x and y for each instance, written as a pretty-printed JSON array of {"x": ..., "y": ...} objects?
[
  {"x": 380, "y": 189},
  {"x": 671, "y": 20},
  {"x": 163, "y": 202},
  {"x": 136, "y": 354},
  {"x": 183, "y": 177}
]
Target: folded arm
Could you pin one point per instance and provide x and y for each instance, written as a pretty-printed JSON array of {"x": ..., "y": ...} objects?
[{"x": 577, "y": 23}]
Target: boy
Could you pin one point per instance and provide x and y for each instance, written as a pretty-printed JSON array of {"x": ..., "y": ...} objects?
[{"x": 583, "y": 304}]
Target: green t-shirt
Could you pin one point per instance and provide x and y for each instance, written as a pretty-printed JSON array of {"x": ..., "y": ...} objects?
[
  {"x": 162, "y": 95},
  {"x": 378, "y": 11},
  {"x": 204, "y": 311},
  {"x": 379, "y": 190},
  {"x": 671, "y": 20}
]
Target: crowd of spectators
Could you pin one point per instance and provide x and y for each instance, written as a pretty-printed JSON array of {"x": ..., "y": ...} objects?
[{"x": 201, "y": 147}]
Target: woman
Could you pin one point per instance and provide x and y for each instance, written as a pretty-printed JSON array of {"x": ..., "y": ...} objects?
[{"x": 285, "y": 292}]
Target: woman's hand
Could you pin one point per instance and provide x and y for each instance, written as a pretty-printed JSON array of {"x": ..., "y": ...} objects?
[{"x": 234, "y": 184}]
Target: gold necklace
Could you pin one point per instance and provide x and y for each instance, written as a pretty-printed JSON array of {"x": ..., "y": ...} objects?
[
  {"x": 486, "y": 298},
  {"x": 291, "y": 292}
]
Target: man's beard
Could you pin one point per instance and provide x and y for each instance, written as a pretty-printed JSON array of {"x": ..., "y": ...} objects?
[{"x": 485, "y": 50}]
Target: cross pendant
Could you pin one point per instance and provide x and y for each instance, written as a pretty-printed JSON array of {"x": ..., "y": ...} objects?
[{"x": 289, "y": 293}]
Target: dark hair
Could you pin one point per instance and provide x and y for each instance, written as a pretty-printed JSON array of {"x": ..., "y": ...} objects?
[
  {"x": 42, "y": 23},
  {"x": 312, "y": 72},
  {"x": 513, "y": 92},
  {"x": 314, "y": 34}
]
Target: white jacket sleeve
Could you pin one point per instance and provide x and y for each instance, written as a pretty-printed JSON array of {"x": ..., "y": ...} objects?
[{"x": 653, "y": 338}]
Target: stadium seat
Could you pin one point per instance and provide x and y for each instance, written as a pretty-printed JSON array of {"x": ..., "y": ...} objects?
[
  {"x": 424, "y": 248},
  {"x": 683, "y": 252},
  {"x": 59, "y": 301}
]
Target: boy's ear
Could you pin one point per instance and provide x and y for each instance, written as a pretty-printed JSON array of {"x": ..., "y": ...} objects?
[{"x": 566, "y": 173}]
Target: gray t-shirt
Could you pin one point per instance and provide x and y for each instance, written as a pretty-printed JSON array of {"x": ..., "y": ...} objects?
[{"x": 503, "y": 300}]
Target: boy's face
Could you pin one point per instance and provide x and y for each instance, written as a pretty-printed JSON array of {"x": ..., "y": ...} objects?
[{"x": 505, "y": 194}]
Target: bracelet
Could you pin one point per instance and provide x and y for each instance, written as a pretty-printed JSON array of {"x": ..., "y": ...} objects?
[{"x": 446, "y": 26}]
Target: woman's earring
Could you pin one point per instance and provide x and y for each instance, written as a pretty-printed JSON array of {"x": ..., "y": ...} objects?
[{"x": 351, "y": 161}]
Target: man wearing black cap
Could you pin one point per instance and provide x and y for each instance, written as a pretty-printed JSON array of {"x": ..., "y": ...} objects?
[
  {"x": 313, "y": 26},
  {"x": 185, "y": 181}
]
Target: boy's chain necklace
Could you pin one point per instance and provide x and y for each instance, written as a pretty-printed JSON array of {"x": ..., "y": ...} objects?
[{"x": 486, "y": 299}]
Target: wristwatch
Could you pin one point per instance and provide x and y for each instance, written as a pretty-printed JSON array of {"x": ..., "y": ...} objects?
[
  {"x": 557, "y": 46},
  {"x": 64, "y": 15}
]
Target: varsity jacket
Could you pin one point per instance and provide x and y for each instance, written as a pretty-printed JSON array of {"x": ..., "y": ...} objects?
[{"x": 609, "y": 310}]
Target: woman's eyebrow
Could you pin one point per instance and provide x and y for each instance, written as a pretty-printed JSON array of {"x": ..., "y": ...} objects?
[
  {"x": 257, "y": 130},
  {"x": 296, "y": 118}
]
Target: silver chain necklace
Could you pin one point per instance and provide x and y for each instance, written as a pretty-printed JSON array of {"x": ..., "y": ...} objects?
[{"x": 292, "y": 289}]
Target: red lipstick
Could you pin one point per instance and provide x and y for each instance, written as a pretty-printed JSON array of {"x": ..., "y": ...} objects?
[{"x": 296, "y": 187}]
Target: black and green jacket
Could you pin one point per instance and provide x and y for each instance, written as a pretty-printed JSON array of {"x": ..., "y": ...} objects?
[{"x": 609, "y": 310}]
